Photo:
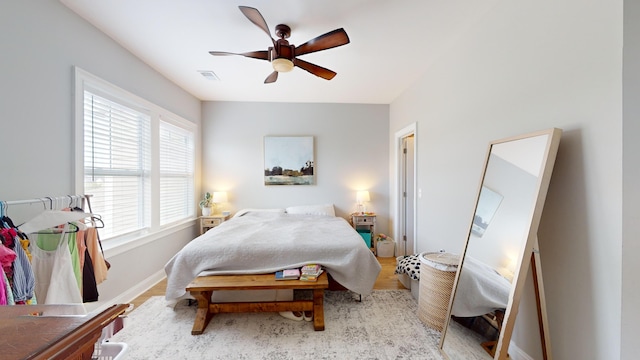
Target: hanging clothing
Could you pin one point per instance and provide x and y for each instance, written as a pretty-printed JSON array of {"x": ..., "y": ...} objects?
[
  {"x": 48, "y": 241},
  {"x": 7, "y": 289},
  {"x": 23, "y": 278},
  {"x": 25, "y": 247},
  {"x": 38, "y": 269},
  {"x": 7, "y": 256},
  {"x": 97, "y": 259},
  {"x": 81, "y": 245},
  {"x": 3, "y": 289},
  {"x": 20, "y": 277},
  {"x": 89, "y": 286},
  {"x": 55, "y": 279}
]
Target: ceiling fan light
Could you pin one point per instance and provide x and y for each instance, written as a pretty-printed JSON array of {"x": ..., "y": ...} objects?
[{"x": 282, "y": 65}]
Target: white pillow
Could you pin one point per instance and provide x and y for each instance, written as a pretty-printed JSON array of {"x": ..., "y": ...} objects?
[
  {"x": 326, "y": 210},
  {"x": 244, "y": 211}
]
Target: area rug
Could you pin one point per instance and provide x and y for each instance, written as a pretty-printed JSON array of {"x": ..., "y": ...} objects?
[{"x": 382, "y": 326}]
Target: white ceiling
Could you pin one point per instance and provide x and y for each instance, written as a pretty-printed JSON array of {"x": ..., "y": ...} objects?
[{"x": 392, "y": 43}]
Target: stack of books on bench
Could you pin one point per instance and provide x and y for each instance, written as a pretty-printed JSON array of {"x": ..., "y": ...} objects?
[
  {"x": 288, "y": 274},
  {"x": 310, "y": 272}
]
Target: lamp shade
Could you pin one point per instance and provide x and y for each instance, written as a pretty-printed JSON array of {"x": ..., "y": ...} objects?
[
  {"x": 220, "y": 197},
  {"x": 362, "y": 196},
  {"x": 282, "y": 65}
]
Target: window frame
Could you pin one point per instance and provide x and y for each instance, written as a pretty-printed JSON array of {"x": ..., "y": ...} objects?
[
  {"x": 163, "y": 119},
  {"x": 84, "y": 80}
]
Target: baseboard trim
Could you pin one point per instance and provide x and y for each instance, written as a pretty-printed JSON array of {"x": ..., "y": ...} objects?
[
  {"x": 518, "y": 354},
  {"x": 129, "y": 295}
]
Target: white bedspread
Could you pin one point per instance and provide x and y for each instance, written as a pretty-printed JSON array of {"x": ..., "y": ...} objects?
[
  {"x": 264, "y": 242},
  {"x": 480, "y": 291}
]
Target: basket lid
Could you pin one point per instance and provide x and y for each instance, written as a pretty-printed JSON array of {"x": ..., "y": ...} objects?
[{"x": 441, "y": 261}]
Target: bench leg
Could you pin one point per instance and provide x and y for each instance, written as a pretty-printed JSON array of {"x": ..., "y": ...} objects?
[
  {"x": 318, "y": 309},
  {"x": 203, "y": 315}
]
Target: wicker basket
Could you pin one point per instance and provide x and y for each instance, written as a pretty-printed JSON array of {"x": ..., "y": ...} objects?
[{"x": 437, "y": 273}]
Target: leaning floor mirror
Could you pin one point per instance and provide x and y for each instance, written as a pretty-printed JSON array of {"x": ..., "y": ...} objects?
[{"x": 501, "y": 255}]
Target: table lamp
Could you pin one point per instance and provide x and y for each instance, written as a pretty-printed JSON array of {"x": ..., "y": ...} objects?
[
  {"x": 362, "y": 197},
  {"x": 219, "y": 197}
]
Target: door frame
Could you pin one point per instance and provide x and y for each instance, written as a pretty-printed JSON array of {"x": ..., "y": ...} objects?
[{"x": 399, "y": 136}]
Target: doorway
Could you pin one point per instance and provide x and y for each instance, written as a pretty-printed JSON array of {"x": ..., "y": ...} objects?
[{"x": 406, "y": 193}]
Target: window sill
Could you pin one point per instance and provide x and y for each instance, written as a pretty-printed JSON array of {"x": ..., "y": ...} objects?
[{"x": 123, "y": 244}]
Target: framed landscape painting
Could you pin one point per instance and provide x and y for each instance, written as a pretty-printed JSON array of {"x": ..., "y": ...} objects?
[{"x": 288, "y": 160}]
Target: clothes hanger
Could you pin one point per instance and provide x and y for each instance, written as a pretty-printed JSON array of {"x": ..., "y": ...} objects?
[
  {"x": 60, "y": 230},
  {"x": 73, "y": 203},
  {"x": 75, "y": 230},
  {"x": 9, "y": 224},
  {"x": 8, "y": 221},
  {"x": 97, "y": 218}
]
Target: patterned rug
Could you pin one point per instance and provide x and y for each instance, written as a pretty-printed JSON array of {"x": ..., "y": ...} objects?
[{"x": 383, "y": 326}]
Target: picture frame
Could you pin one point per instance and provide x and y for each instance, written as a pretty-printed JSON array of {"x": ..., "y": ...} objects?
[
  {"x": 487, "y": 206},
  {"x": 289, "y": 160}
]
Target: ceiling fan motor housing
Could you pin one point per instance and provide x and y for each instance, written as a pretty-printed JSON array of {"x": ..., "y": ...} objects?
[{"x": 282, "y": 56}]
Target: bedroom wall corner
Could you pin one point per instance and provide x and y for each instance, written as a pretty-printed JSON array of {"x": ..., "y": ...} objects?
[{"x": 630, "y": 346}]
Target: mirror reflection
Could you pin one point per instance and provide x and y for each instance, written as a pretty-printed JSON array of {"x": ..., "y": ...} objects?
[{"x": 497, "y": 237}]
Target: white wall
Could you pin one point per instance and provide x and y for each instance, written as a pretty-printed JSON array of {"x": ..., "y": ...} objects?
[
  {"x": 351, "y": 149},
  {"x": 530, "y": 65},
  {"x": 41, "y": 41}
]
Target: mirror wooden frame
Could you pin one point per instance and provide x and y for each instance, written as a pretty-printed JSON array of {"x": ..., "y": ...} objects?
[{"x": 529, "y": 257}]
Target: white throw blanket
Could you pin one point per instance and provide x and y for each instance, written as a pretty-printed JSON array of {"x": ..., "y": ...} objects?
[
  {"x": 264, "y": 242},
  {"x": 480, "y": 291}
]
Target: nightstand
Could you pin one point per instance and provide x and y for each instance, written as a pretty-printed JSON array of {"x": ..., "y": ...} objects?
[
  {"x": 365, "y": 224},
  {"x": 211, "y": 221}
]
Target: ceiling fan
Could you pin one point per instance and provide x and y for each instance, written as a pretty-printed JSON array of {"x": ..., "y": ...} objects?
[{"x": 282, "y": 55}]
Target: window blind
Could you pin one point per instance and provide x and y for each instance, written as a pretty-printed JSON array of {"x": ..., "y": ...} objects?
[
  {"x": 117, "y": 163},
  {"x": 177, "y": 152}
]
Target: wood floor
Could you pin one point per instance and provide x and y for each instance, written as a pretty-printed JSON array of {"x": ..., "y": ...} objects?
[{"x": 387, "y": 280}]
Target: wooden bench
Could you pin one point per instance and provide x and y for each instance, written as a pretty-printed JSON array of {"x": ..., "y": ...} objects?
[{"x": 202, "y": 287}]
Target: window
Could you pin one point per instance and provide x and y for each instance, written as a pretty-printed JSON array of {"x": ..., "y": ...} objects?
[
  {"x": 136, "y": 160},
  {"x": 176, "y": 173},
  {"x": 117, "y": 146}
]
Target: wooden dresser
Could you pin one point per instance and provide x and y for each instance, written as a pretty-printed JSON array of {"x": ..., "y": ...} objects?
[{"x": 45, "y": 332}]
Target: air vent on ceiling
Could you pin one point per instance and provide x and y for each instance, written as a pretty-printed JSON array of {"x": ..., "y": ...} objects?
[{"x": 209, "y": 75}]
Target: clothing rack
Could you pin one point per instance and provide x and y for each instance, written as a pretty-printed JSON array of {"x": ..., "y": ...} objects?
[
  {"x": 86, "y": 268},
  {"x": 49, "y": 202}
]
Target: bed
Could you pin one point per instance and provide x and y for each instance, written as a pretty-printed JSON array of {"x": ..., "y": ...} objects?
[
  {"x": 259, "y": 242},
  {"x": 481, "y": 290}
]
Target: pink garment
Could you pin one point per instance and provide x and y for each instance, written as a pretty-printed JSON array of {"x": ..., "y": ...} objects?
[
  {"x": 7, "y": 256},
  {"x": 80, "y": 241},
  {"x": 3, "y": 294}
]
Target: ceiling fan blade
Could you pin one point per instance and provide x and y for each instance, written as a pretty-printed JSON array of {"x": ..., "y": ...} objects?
[
  {"x": 329, "y": 40},
  {"x": 314, "y": 69},
  {"x": 262, "y": 54},
  {"x": 271, "y": 78},
  {"x": 255, "y": 17}
]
